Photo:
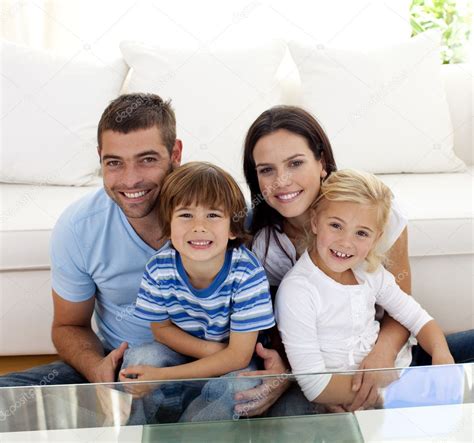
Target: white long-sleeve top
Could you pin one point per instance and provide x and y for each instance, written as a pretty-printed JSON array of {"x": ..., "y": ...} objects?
[{"x": 327, "y": 326}]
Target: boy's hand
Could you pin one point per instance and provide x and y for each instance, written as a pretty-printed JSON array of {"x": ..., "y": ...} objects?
[
  {"x": 442, "y": 358},
  {"x": 140, "y": 373}
]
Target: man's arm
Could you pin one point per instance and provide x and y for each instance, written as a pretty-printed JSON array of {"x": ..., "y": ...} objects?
[
  {"x": 180, "y": 341},
  {"x": 76, "y": 342}
]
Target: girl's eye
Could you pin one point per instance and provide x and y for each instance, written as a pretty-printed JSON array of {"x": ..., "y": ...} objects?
[
  {"x": 335, "y": 225},
  {"x": 264, "y": 171},
  {"x": 213, "y": 215},
  {"x": 185, "y": 215},
  {"x": 296, "y": 163},
  {"x": 362, "y": 233}
]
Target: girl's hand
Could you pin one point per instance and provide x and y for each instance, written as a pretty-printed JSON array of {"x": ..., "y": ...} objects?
[
  {"x": 259, "y": 399},
  {"x": 367, "y": 384},
  {"x": 442, "y": 358}
]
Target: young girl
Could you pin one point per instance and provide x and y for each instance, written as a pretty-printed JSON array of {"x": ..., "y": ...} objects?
[
  {"x": 205, "y": 295},
  {"x": 325, "y": 305}
]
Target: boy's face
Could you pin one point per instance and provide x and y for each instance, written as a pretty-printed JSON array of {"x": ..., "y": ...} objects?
[
  {"x": 200, "y": 234},
  {"x": 134, "y": 166},
  {"x": 345, "y": 234}
]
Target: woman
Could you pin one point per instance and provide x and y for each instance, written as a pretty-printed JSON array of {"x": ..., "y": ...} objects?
[{"x": 286, "y": 155}]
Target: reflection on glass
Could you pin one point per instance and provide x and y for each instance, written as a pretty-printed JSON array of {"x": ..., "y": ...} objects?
[{"x": 180, "y": 403}]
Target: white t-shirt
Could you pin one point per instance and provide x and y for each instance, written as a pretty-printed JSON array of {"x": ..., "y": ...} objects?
[
  {"x": 327, "y": 326},
  {"x": 276, "y": 263}
]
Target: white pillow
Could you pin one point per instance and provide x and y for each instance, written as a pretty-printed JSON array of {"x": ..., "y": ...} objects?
[
  {"x": 385, "y": 110},
  {"x": 216, "y": 93},
  {"x": 51, "y": 106}
]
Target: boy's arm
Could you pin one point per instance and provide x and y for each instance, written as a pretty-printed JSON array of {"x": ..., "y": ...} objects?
[
  {"x": 432, "y": 340},
  {"x": 235, "y": 356},
  {"x": 180, "y": 341}
]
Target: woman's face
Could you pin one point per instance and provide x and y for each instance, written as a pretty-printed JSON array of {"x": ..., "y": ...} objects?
[{"x": 288, "y": 173}]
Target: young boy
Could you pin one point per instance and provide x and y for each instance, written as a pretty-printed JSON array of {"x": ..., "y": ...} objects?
[{"x": 205, "y": 295}]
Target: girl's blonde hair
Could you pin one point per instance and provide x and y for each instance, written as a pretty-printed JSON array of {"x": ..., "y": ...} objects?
[{"x": 349, "y": 185}]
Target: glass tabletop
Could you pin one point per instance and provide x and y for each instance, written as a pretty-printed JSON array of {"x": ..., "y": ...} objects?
[{"x": 201, "y": 409}]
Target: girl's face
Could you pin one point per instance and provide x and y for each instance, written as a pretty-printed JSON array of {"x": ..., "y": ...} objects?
[
  {"x": 288, "y": 173},
  {"x": 345, "y": 234}
]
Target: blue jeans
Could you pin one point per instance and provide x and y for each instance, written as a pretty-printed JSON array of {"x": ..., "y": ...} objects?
[
  {"x": 461, "y": 346},
  {"x": 200, "y": 400}
]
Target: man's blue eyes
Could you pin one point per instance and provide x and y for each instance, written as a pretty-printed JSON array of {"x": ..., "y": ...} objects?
[{"x": 114, "y": 163}]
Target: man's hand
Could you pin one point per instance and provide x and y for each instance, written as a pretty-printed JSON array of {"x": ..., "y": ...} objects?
[
  {"x": 259, "y": 399},
  {"x": 368, "y": 383},
  {"x": 106, "y": 369}
]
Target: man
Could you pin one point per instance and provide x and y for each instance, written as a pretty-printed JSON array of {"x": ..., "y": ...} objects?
[{"x": 101, "y": 243}]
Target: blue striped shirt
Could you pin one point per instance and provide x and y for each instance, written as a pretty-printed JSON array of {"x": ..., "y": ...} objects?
[{"x": 237, "y": 300}]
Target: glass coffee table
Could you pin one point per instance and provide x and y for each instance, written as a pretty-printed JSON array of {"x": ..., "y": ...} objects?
[{"x": 416, "y": 404}]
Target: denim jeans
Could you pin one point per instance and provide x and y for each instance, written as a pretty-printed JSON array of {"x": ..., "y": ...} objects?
[{"x": 200, "y": 400}]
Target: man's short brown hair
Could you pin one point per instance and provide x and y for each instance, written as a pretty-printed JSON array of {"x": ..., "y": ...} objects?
[
  {"x": 131, "y": 112},
  {"x": 207, "y": 185}
]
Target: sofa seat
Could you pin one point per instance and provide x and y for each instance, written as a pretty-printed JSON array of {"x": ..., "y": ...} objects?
[{"x": 28, "y": 214}]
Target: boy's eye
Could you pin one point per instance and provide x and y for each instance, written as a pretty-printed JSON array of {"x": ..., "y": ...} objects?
[
  {"x": 214, "y": 215},
  {"x": 185, "y": 215},
  {"x": 362, "y": 233}
]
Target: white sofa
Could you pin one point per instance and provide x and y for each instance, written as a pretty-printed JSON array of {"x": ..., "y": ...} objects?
[{"x": 439, "y": 207}]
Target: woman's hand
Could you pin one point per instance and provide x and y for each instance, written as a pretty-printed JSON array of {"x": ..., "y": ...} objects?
[
  {"x": 368, "y": 383},
  {"x": 259, "y": 399}
]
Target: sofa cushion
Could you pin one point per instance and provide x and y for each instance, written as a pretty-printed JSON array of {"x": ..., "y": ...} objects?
[
  {"x": 439, "y": 208},
  {"x": 28, "y": 214},
  {"x": 385, "y": 110},
  {"x": 51, "y": 105}
]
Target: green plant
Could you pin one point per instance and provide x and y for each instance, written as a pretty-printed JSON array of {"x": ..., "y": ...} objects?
[{"x": 452, "y": 17}]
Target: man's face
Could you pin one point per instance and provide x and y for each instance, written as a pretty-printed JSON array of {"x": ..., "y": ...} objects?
[{"x": 134, "y": 166}]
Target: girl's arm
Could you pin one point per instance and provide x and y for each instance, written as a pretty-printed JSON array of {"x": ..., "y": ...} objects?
[
  {"x": 180, "y": 341},
  {"x": 432, "y": 340},
  {"x": 235, "y": 356}
]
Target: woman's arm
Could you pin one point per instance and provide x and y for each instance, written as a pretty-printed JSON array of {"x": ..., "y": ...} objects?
[
  {"x": 235, "y": 356},
  {"x": 180, "y": 341}
]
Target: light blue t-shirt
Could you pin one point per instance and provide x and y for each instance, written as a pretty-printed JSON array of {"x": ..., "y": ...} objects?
[
  {"x": 237, "y": 300},
  {"x": 95, "y": 250}
]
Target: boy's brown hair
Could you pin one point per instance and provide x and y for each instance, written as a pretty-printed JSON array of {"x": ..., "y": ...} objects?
[
  {"x": 207, "y": 185},
  {"x": 131, "y": 112}
]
